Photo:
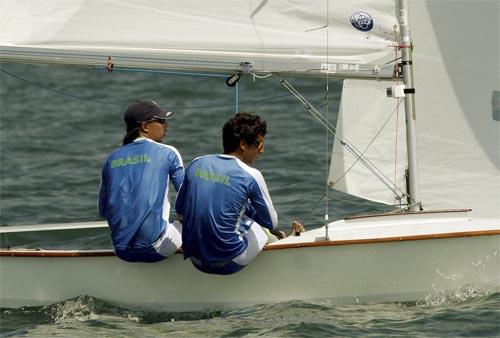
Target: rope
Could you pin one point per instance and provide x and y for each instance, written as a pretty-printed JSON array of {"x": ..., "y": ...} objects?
[
  {"x": 61, "y": 92},
  {"x": 34, "y": 84},
  {"x": 312, "y": 210},
  {"x": 260, "y": 76},
  {"x": 163, "y": 72}
]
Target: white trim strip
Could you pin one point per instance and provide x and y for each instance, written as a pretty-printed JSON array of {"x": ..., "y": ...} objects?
[{"x": 53, "y": 227}]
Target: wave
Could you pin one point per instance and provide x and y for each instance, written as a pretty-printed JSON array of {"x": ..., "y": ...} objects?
[{"x": 441, "y": 313}]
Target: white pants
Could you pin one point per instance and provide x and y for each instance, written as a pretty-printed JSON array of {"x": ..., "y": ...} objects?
[
  {"x": 256, "y": 238},
  {"x": 171, "y": 240}
]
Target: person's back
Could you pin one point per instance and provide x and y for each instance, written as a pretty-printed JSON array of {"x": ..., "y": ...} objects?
[
  {"x": 137, "y": 189},
  {"x": 224, "y": 202},
  {"x": 226, "y": 186},
  {"x": 134, "y": 188}
]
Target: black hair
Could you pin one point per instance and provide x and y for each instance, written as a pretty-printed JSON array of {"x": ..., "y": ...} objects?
[
  {"x": 242, "y": 126},
  {"x": 131, "y": 135}
]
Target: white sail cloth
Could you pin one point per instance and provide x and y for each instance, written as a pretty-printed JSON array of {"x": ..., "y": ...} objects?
[
  {"x": 456, "y": 69},
  {"x": 275, "y": 36},
  {"x": 374, "y": 125}
]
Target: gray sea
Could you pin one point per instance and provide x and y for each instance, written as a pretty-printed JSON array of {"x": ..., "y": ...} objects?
[{"x": 57, "y": 125}]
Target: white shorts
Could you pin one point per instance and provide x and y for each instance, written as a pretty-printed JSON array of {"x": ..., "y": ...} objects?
[
  {"x": 256, "y": 238},
  {"x": 171, "y": 240}
]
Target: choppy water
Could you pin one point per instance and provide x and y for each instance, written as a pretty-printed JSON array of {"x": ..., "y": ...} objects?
[
  {"x": 471, "y": 316},
  {"x": 57, "y": 124}
]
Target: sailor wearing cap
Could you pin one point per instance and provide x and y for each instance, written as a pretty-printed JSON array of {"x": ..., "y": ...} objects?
[{"x": 133, "y": 196}]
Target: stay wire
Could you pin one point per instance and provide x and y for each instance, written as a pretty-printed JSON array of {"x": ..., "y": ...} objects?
[
  {"x": 396, "y": 109},
  {"x": 327, "y": 110},
  {"x": 350, "y": 147},
  {"x": 397, "y": 123}
]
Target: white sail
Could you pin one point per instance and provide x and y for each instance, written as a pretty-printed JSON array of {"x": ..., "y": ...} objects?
[
  {"x": 456, "y": 68},
  {"x": 375, "y": 126},
  {"x": 273, "y": 36}
]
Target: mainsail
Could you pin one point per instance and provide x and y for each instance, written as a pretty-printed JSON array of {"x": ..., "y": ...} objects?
[
  {"x": 456, "y": 62},
  {"x": 457, "y": 73},
  {"x": 265, "y": 36}
]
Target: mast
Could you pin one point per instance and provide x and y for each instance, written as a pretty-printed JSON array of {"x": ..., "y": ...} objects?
[{"x": 410, "y": 115}]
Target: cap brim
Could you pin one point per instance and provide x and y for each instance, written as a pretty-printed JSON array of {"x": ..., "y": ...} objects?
[{"x": 165, "y": 115}]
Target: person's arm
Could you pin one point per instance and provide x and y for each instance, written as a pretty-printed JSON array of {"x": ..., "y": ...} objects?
[
  {"x": 181, "y": 197},
  {"x": 251, "y": 212},
  {"x": 103, "y": 193},
  {"x": 179, "y": 202},
  {"x": 176, "y": 172},
  {"x": 261, "y": 207},
  {"x": 297, "y": 229}
]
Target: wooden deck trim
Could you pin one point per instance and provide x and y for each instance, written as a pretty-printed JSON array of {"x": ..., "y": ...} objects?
[
  {"x": 108, "y": 253},
  {"x": 384, "y": 240}
]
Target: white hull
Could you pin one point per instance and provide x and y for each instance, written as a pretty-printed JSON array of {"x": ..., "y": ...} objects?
[{"x": 404, "y": 268}]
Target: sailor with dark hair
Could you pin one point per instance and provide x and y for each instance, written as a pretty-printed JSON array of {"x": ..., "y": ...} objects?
[
  {"x": 133, "y": 196},
  {"x": 225, "y": 203}
]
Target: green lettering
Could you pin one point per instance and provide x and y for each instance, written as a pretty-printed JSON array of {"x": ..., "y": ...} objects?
[
  {"x": 212, "y": 176},
  {"x": 137, "y": 159}
]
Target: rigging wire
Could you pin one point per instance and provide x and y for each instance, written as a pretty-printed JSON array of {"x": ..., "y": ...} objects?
[
  {"x": 350, "y": 147},
  {"x": 327, "y": 139},
  {"x": 237, "y": 98},
  {"x": 162, "y": 72},
  {"x": 396, "y": 109},
  {"x": 60, "y": 92},
  {"x": 397, "y": 121}
]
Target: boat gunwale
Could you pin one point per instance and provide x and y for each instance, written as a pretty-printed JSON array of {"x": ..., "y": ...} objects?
[{"x": 15, "y": 252}]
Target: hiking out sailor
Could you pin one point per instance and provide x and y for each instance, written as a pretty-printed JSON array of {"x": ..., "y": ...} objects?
[
  {"x": 133, "y": 196},
  {"x": 224, "y": 202}
]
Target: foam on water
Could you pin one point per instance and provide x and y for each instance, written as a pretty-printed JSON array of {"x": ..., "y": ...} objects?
[
  {"x": 429, "y": 317},
  {"x": 466, "y": 293}
]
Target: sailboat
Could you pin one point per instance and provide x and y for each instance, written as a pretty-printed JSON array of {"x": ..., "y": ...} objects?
[{"x": 418, "y": 128}]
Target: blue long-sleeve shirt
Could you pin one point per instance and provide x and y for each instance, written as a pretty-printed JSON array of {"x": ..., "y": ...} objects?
[
  {"x": 133, "y": 196},
  {"x": 217, "y": 192}
]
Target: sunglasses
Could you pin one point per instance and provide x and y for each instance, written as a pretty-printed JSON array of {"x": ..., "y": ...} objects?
[{"x": 156, "y": 119}]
